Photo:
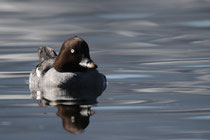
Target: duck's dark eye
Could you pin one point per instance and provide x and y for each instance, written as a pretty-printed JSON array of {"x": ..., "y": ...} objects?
[{"x": 72, "y": 51}]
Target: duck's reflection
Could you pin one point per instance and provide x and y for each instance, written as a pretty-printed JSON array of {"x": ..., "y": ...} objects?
[
  {"x": 74, "y": 118},
  {"x": 74, "y": 105}
]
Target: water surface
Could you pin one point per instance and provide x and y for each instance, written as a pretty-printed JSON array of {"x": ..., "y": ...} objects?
[{"x": 155, "y": 55}]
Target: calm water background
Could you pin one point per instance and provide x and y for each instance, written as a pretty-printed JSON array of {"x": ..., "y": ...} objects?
[{"x": 155, "y": 54}]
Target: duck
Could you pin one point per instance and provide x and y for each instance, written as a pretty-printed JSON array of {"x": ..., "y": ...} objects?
[{"x": 72, "y": 68}]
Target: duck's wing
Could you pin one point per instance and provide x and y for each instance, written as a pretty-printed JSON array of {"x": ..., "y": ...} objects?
[
  {"x": 46, "y": 57},
  {"x": 46, "y": 53},
  {"x": 44, "y": 66}
]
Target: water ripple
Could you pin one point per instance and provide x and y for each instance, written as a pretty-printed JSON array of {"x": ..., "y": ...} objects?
[
  {"x": 205, "y": 117},
  {"x": 16, "y": 74},
  {"x": 126, "y": 76},
  {"x": 14, "y": 97},
  {"x": 20, "y": 57},
  {"x": 126, "y": 16},
  {"x": 126, "y": 107},
  {"x": 198, "y": 24}
]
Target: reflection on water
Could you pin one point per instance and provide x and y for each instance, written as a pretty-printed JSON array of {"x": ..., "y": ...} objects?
[
  {"x": 74, "y": 118},
  {"x": 74, "y": 105},
  {"x": 155, "y": 54},
  {"x": 53, "y": 96}
]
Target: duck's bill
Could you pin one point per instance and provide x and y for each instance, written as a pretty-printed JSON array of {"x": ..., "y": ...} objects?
[
  {"x": 91, "y": 65},
  {"x": 87, "y": 64}
]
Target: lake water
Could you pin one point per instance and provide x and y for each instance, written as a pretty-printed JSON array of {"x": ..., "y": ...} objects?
[{"x": 154, "y": 53}]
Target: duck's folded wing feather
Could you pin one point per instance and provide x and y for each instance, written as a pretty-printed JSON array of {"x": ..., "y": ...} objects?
[{"x": 46, "y": 53}]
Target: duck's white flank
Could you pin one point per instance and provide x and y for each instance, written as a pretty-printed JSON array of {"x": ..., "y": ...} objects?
[{"x": 38, "y": 72}]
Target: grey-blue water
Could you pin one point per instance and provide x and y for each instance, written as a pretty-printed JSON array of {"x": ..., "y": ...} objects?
[{"x": 155, "y": 54}]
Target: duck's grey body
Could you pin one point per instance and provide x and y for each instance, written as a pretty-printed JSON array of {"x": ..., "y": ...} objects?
[{"x": 88, "y": 79}]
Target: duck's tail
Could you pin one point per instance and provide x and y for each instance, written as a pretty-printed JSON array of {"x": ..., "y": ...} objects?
[{"x": 46, "y": 53}]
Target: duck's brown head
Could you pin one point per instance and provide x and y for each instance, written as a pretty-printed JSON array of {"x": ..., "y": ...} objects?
[{"x": 74, "y": 56}]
